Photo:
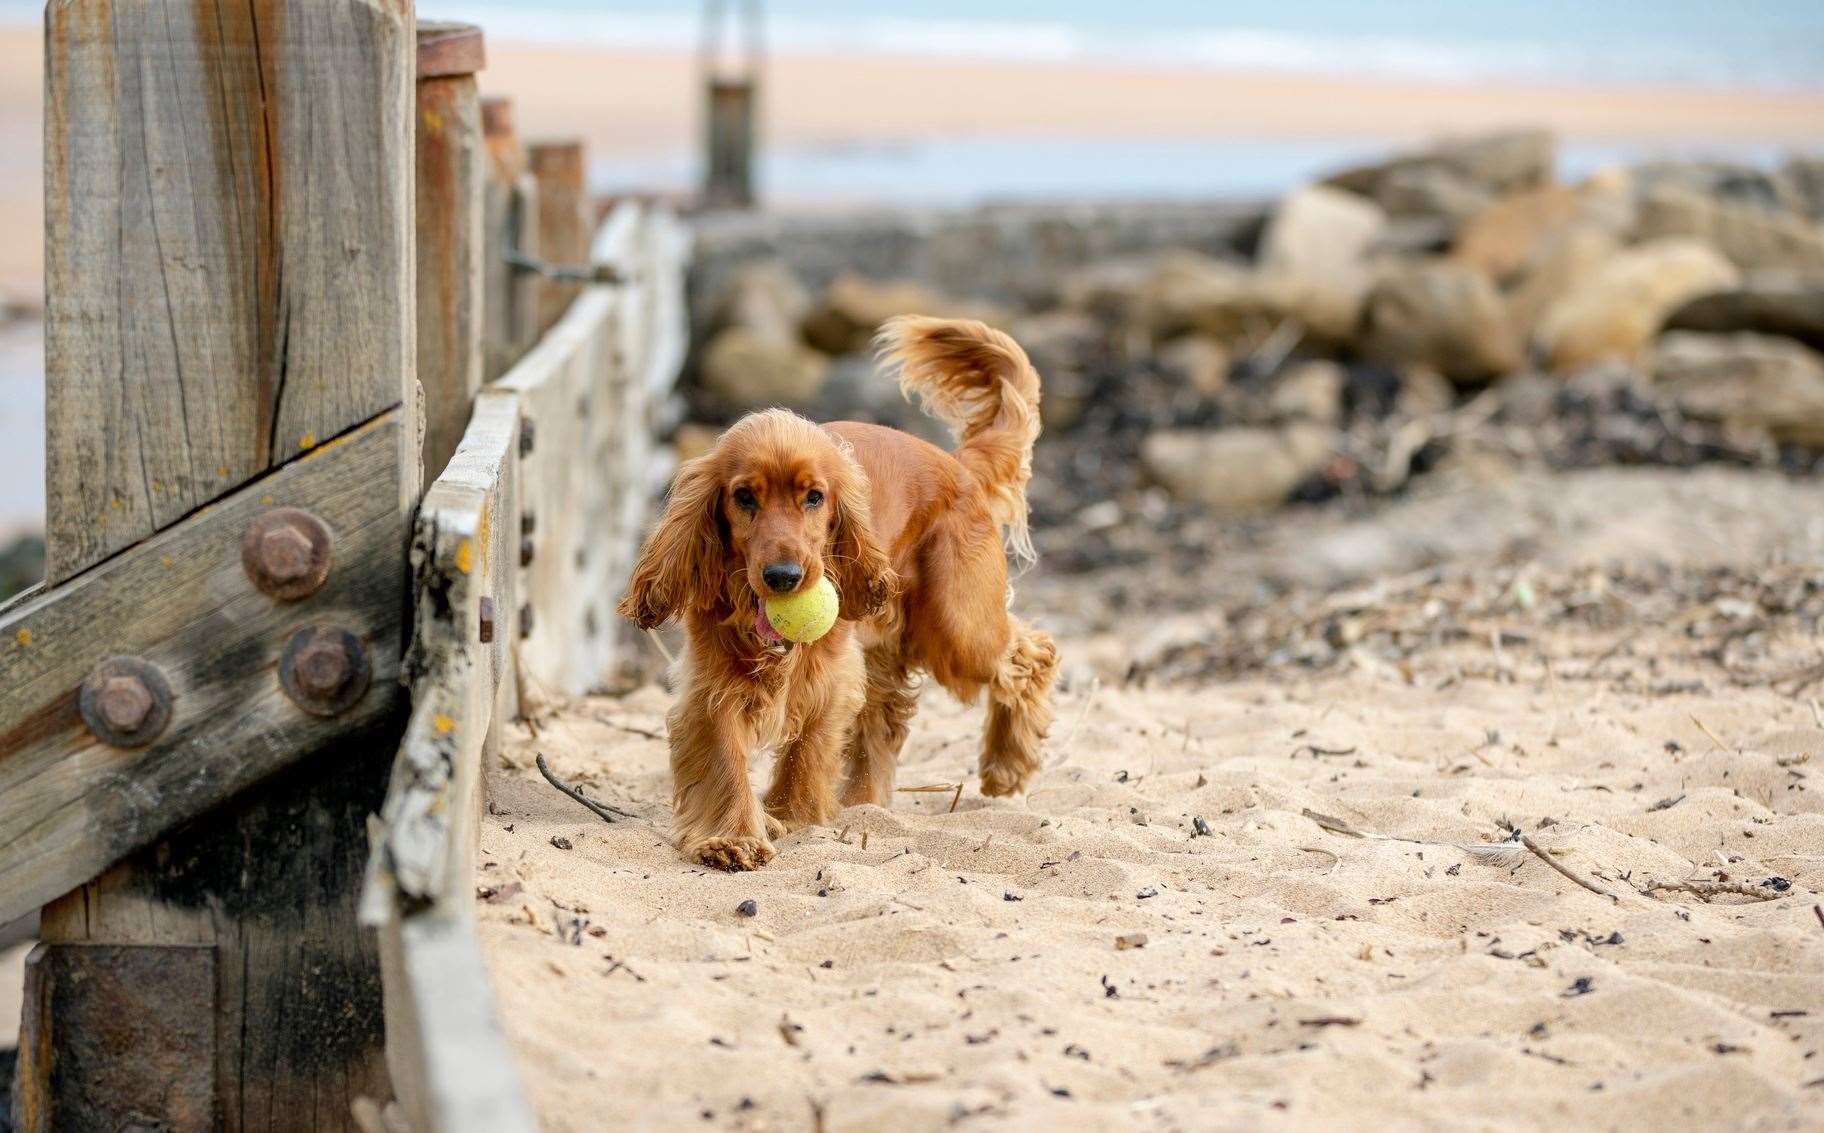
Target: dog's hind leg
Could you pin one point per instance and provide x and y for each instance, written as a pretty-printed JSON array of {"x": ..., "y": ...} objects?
[{"x": 1019, "y": 710}]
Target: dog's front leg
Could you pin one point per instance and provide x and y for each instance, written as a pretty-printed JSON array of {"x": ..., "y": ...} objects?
[{"x": 716, "y": 818}]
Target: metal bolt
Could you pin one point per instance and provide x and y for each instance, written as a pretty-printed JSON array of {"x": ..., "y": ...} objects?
[
  {"x": 528, "y": 523},
  {"x": 525, "y": 620},
  {"x": 487, "y": 620},
  {"x": 286, "y": 553},
  {"x": 526, "y": 549},
  {"x": 324, "y": 670},
  {"x": 528, "y": 436},
  {"x": 126, "y": 702}
]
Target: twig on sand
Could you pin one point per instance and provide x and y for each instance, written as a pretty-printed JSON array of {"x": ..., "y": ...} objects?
[
  {"x": 1702, "y": 727},
  {"x": 1819, "y": 909},
  {"x": 1540, "y": 853},
  {"x": 1708, "y": 889},
  {"x": 601, "y": 810}
]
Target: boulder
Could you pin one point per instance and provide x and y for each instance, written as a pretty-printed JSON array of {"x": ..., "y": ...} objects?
[
  {"x": 1753, "y": 237},
  {"x": 1236, "y": 471},
  {"x": 1770, "y": 304},
  {"x": 1313, "y": 258},
  {"x": 1619, "y": 308},
  {"x": 1806, "y": 177},
  {"x": 1728, "y": 181},
  {"x": 1559, "y": 265},
  {"x": 1308, "y": 391},
  {"x": 766, "y": 298},
  {"x": 1497, "y": 163},
  {"x": 1745, "y": 380},
  {"x": 1195, "y": 360},
  {"x": 857, "y": 390},
  {"x": 692, "y": 439},
  {"x": 1443, "y": 315},
  {"x": 1068, "y": 348},
  {"x": 1501, "y": 239},
  {"x": 744, "y": 369},
  {"x": 1432, "y": 193},
  {"x": 853, "y": 308}
]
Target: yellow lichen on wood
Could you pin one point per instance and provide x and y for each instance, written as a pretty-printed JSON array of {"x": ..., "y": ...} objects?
[
  {"x": 443, "y": 724},
  {"x": 465, "y": 555},
  {"x": 23, "y": 637}
]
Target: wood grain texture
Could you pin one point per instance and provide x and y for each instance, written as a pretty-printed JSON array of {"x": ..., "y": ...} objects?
[
  {"x": 268, "y": 886},
  {"x": 451, "y": 174},
  {"x": 450, "y": 1066},
  {"x": 228, "y": 231},
  {"x": 510, "y": 204},
  {"x": 564, "y": 220},
  {"x": 70, "y": 805}
]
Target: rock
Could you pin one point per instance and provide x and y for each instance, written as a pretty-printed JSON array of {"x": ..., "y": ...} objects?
[
  {"x": 1313, "y": 258},
  {"x": 1443, "y": 315},
  {"x": 1559, "y": 265},
  {"x": 1109, "y": 288},
  {"x": 1806, "y": 176},
  {"x": 1430, "y": 192},
  {"x": 1502, "y": 238},
  {"x": 1788, "y": 305},
  {"x": 1424, "y": 391},
  {"x": 766, "y": 298},
  {"x": 1619, "y": 308},
  {"x": 744, "y": 369},
  {"x": 1751, "y": 236},
  {"x": 1720, "y": 181},
  {"x": 1067, "y": 348},
  {"x": 1308, "y": 391},
  {"x": 857, "y": 390},
  {"x": 853, "y": 308},
  {"x": 1497, "y": 163},
  {"x": 1236, "y": 470},
  {"x": 1745, "y": 380},
  {"x": 1196, "y": 360}
]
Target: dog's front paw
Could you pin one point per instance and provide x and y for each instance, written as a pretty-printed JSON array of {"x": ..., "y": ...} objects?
[{"x": 733, "y": 855}]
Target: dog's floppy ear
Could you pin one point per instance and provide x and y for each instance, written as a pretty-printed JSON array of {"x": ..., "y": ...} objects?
[
  {"x": 864, "y": 578},
  {"x": 680, "y": 567}
]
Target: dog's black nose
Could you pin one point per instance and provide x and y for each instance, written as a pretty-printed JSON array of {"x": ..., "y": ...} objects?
[{"x": 782, "y": 577}]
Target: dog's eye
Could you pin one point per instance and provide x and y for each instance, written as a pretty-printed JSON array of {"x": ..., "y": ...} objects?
[
  {"x": 813, "y": 498},
  {"x": 744, "y": 499}
]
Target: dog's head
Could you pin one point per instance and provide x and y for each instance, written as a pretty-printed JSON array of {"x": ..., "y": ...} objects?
[{"x": 773, "y": 508}]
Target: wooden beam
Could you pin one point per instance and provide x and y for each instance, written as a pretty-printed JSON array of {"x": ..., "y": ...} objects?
[
  {"x": 563, "y": 220},
  {"x": 451, "y": 174},
  {"x": 228, "y": 250},
  {"x": 510, "y": 304},
  {"x": 182, "y": 601}
]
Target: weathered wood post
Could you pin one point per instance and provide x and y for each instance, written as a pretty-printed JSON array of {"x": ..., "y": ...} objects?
[
  {"x": 452, "y": 169},
  {"x": 731, "y": 109},
  {"x": 206, "y": 689},
  {"x": 510, "y": 303},
  {"x": 564, "y": 223}
]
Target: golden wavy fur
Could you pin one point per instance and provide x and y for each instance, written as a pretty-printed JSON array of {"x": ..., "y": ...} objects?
[{"x": 912, "y": 538}]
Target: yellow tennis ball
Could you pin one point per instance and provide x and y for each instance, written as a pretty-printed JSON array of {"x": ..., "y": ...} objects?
[{"x": 805, "y": 616}]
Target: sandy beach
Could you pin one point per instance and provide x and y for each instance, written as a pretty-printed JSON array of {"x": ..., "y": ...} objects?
[
  {"x": 1260, "y": 902},
  {"x": 643, "y": 106}
]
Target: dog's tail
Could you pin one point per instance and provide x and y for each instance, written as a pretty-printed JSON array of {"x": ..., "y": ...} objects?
[{"x": 979, "y": 382}]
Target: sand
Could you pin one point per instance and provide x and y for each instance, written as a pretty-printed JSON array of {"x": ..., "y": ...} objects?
[
  {"x": 639, "y": 105},
  {"x": 918, "y": 966}
]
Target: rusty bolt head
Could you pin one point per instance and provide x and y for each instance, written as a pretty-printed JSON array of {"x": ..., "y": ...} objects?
[
  {"x": 525, "y": 620},
  {"x": 486, "y": 625},
  {"x": 526, "y": 550},
  {"x": 528, "y": 436},
  {"x": 126, "y": 702},
  {"x": 528, "y": 523},
  {"x": 324, "y": 670},
  {"x": 286, "y": 553}
]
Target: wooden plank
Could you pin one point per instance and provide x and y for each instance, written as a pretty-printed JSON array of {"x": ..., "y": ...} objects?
[
  {"x": 69, "y": 804},
  {"x": 510, "y": 205},
  {"x": 228, "y": 250},
  {"x": 564, "y": 222},
  {"x": 91, "y": 1049},
  {"x": 450, "y": 1066},
  {"x": 267, "y": 886},
  {"x": 451, "y": 174}
]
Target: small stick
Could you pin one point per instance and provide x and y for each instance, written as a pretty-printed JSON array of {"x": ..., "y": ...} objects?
[
  {"x": 1709, "y": 889},
  {"x": 929, "y": 789},
  {"x": 601, "y": 810},
  {"x": 1819, "y": 909},
  {"x": 1720, "y": 745},
  {"x": 1527, "y": 841},
  {"x": 957, "y": 798}
]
